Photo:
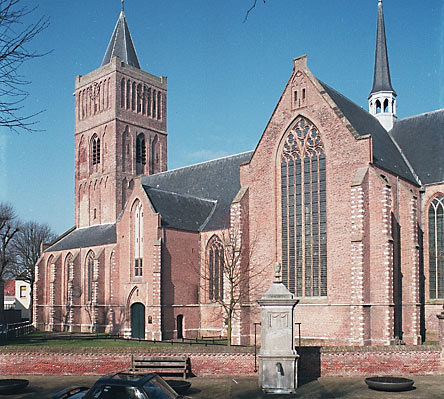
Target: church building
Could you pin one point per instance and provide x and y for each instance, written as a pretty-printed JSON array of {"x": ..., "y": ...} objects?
[{"x": 349, "y": 202}]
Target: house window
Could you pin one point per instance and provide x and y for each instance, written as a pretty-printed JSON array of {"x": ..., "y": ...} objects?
[
  {"x": 303, "y": 205},
  {"x": 22, "y": 291},
  {"x": 216, "y": 270},
  {"x": 436, "y": 248}
]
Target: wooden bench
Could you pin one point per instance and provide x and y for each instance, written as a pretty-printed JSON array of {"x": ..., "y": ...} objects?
[{"x": 160, "y": 364}]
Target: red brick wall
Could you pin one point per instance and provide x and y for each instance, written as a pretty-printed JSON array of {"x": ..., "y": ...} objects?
[
  {"x": 180, "y": 282},
  {"x": 314, "y": 362}
]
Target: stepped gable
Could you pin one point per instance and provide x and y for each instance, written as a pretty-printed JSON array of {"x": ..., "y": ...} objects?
[
  {"x": 386, "y": 155},
  {"x": 421, "y": 139},
  {"x": 101, "y": 234},
  {"x": 217, "y": 180}
]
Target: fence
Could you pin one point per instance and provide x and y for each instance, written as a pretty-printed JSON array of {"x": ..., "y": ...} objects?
[{"x": 15, "y": 330}]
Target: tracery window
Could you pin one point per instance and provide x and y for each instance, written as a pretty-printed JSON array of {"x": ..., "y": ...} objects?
[
  {"x": 303, "y": 205},
  {"x": 216, "y": 270},
  {"x": 436, "y": 248},
  {"x": 67, "y": 276},
  {"x": 138, "y": 241},
  {"x": 95, "y": 150},
  {"x": 89, "y": 276}
]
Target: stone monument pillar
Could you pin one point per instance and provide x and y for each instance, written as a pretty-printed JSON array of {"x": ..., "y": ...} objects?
[
  {"x": 278, "y": 359},
  {"x": 440, "y": 317}
]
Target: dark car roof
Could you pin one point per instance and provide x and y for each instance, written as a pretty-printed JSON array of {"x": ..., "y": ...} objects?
[{"x": 125, "y": 379}]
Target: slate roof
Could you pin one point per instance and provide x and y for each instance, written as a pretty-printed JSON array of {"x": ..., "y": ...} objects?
[
  {"x": 381, "y": 79},
  {"x": 101, "y": 234},
  {"x": 217, "y": 180},
  {"x": 121, "y": 45},
  {"x": 421, "y": 139},
  {"x": 180, "y": 211},
  {"x": 386, "y": 154}
]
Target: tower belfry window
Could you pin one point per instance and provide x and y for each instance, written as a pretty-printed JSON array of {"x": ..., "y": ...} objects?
[{"x": 95, "y": 150}]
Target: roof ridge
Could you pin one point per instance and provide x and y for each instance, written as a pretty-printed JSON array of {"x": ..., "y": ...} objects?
[
  {"x": 95, "y": 225},
  {"x": 179, "y": 194},
  {"x": 199, "y": 163},
  {"x": 435, "y": 111},
  {"x": 345, "y": 97}
]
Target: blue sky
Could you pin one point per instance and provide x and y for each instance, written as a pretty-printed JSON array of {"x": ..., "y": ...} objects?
[{"x": 224, "y": 76}]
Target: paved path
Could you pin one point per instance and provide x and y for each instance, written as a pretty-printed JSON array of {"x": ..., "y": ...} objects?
[{"x": 426, "y": 387}]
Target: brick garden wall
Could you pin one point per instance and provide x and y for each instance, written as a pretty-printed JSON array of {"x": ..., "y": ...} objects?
[{"x": 314, "y": 362}]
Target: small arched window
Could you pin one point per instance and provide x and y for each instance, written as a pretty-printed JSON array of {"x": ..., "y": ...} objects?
[
  {"x": 159, "y": 108},
  {"x": 133, "y": 96},
  {"x": 95, "y": 144},
  {"x": 139, "y": 98},
  {"x": 148, "y": 102},
  {"x": 216, "y": 264},
  {"x": 122, "y": 93},
  {"x": 436, "y": 248},
  {"x": 378, "y": 106},
  {"x": 153, "y": 113}
]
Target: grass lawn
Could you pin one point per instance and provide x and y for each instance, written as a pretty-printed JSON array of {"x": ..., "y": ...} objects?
[{"x": 103, "y": 342}]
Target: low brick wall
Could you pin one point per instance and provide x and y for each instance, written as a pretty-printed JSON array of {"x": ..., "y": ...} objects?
[
  {"x": 104, "y": 363},
  {"x": 314, "y": 362},
  {"x": 357, "y": 361}
]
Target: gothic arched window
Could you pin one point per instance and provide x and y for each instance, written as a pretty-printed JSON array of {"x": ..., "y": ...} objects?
[
  {"x": 122, "y": 93},
  {"x": 436, "y": 248},
  {"x": 67, "y": 276},
  {"x": 303, "y": 205},
  {"x": 138, "y": 240},
  {"x": 89, "y": 275},
  {"x": 215, "y": 269},
  {"x": 140, "y": 154}
]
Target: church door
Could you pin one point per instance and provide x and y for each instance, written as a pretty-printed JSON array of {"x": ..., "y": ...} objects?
[{"x": 138, "y": 321}]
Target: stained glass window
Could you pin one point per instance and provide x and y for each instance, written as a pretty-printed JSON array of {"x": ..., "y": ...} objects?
[
  {"x": 436, "y": 248},
  {"x": 303, "y": 204}
]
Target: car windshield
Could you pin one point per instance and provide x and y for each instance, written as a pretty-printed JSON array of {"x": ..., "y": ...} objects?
[{"x": 157, "y": 388}]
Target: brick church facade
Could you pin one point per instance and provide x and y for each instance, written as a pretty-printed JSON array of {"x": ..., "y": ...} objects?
[{"x": 350, "y": 202}]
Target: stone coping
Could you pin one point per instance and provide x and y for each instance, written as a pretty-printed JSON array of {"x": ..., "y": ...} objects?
[
  {"x": 213, "y": 349},
  {"x": 387, "y": 348}
]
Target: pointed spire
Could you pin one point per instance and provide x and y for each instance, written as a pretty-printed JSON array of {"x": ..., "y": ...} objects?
[
  {"x": 381, "y": 80},
  {"x": 121, "y": 45}
]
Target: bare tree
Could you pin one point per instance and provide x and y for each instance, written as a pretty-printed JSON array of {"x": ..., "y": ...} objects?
[
  {"x": 26, "y": 250},
  {"x": 15, "y": 36},
  {"x": 9, "y": 226},
  {"x": 228, "y": 276}
]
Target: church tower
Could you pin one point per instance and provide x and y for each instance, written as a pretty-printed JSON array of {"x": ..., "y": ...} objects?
[
  {"x": 382, "y": 98},
  {"x": 120, "y": 130}
]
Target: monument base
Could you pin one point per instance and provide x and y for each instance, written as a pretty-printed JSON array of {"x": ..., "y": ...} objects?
[{"x": 278, "y": 374}]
